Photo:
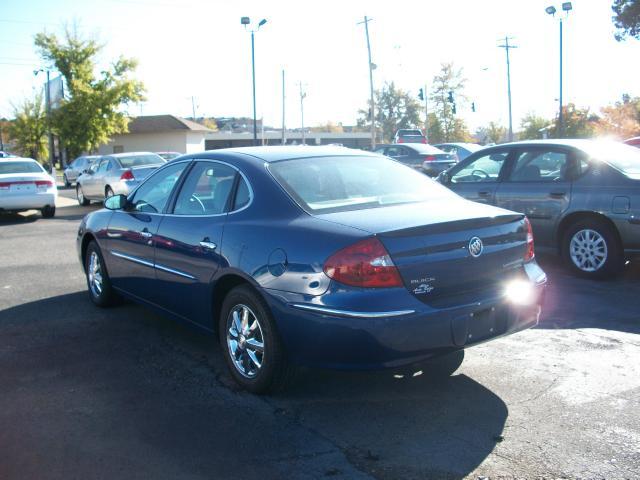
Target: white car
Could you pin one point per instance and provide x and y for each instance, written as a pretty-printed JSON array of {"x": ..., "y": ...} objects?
[{"x": 25, "y": 185}]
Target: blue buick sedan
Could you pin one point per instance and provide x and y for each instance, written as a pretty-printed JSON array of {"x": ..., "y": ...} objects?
[{"x": 315, "y": 256}]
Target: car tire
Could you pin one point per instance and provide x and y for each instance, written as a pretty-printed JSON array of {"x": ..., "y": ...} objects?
[
  {"x": 48, "y": 211},
  {"x": 245, "y": 327},
  {"x": 82, "y": 200},
  {"x": 67, "y": 183},
  {"x": 98, "y": 281},
  {"x": 108, "y": 192},
  {"x": 591, "y": 249}
]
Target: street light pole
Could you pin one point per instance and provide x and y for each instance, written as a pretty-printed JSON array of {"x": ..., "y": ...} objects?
[
  {"x": 560, "y": 112},
  {"x": 302, "y": 97},
  {"x": 47, "y": 100},
  {"x": 246, "y": 21}
]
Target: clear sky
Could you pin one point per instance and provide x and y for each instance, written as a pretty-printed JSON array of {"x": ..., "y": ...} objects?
[{"x": 198, "y": 48}]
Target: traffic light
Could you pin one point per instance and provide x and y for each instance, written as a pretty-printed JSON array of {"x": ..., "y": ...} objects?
[
  {"x": 473, "y": 106},
  {"x": 421, "y": 94},
  {"x": 451, "y": 100}
]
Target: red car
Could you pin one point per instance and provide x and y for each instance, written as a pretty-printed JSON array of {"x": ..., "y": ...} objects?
[{"x": 635, "y": 141}]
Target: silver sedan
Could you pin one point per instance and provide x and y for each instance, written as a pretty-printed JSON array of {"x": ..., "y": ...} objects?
[
  {"x": 115, "y": 174},
  {"x": 581, "y": 196}
]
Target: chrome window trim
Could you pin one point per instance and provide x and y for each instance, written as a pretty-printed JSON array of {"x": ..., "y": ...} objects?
[{"x": 349, "y": 313}]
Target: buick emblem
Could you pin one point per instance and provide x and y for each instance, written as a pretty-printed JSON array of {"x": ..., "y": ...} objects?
[{"x": 475, "y": 247}]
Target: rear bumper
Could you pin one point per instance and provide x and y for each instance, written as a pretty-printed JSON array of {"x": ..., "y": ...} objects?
[
  {"x": 334, "y": 336},
  {"x": 17, "y": 203}
]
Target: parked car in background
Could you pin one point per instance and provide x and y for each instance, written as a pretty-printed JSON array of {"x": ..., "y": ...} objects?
[
  {"x": 317, "y": 256},
  {"x": 77, "y": 167},
  {"x": 460, "y": 150},
  {"x": 426, "y": 158},
  {"x": 115, "y": 174},
  {"x": 634, "y": 142},
  {"x": 168, "y": 156},
  {"x": 409, "y": 135},
  {"x": 5, "y": 154},
  {"x": 582, "y": 196},
  {"x": 25, "y": 185}
]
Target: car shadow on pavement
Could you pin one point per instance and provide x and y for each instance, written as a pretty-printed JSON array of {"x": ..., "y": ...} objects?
[
  {"x": 573, "y": 302},
  {"x": 137, "y": 393},
  {"x": 8, "y": 219}
]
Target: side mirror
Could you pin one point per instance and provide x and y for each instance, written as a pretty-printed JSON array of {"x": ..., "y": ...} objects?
[
  {"x": 116, "y": 202},
  {"x": 444, "y": 178}
]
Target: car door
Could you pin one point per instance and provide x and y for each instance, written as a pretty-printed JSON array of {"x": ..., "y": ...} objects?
[
  {"x": 537, "y": 185},
  {"x": 92, "y": 185},
  {"x": 189, "y": 240},
  {"x": 478, "y": 177},
  {"x": 130, "y": 234}
]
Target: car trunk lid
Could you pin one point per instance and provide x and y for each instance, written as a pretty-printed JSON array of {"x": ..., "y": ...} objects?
[{"x": 433, "y": 246}]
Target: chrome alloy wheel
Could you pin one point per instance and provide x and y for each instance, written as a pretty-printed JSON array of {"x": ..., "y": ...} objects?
[
  {"x": 80, "y": 195},
  {"x": 245, "y": 340},
  {"x": 588, "y": 250},
  {"x": 94, "y": 271}
]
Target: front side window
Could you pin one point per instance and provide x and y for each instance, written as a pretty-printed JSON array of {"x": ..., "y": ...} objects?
[
  {"x": 334, "y": 184},
  {"x": 206, "y": 190},
  {"x": 540, "y": 165},
  {"x": 153, "y": 195},
  {"x": 483, "y": 169}
]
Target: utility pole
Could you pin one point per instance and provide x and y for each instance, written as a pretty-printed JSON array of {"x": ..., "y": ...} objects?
[
  {"x": 506, "y": 47},
  {"x": 193, "y": 108},
  {"x": 371, "y": 67},
  {"x": 426, "y": 114},
  {"x": 302, "y": 97},
  {"x": 560, "y": 112},
  {"x": 284, "y": 131}
]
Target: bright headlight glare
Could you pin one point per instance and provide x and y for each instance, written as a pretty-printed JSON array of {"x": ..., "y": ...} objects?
[{"x": 519, "y": 292}]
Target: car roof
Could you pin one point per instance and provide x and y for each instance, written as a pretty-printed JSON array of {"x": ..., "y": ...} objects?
[
  {"x": 278, "y": 153},
  {"x": 129, "y": 154}
]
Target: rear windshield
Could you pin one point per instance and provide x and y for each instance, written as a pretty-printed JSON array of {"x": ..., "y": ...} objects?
[
  {"x": 140, "y": 160},
  {"x": 20, "y": 167},
  {"x": 335, "y": 184},
  {"x": 424, "y": 148},
  {"x": 623, "y": 157},
  {"x": 409, "y": 132}
]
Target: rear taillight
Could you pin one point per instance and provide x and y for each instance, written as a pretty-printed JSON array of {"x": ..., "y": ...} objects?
[
  {"x": 424, "y": 140},
  {"x": 429, "y": 158},
  {"x": 4, "y": 185},
  {"x": 44, "y": 185},
  {"x": 400, "y": 140},
  {"x": 127, "y": 175},
  {"x": 363, "y": 264},
  {"x": 529, "y": 254}
]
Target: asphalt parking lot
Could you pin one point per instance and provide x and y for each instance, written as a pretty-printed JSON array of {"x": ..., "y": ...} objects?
[{"x": 124, "y": 393}]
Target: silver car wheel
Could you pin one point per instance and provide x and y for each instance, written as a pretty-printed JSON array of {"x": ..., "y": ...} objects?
[
  {"x": 94, "y": 271},
  {"x": 80, "y": 195},
  {"x": 588, "y": 250},
  {"x": 245, "y": 340}
]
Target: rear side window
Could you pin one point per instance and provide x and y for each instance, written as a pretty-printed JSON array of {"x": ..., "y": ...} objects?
[
  {"x": 242, "y": 195},
  {"x": 206, "y": 190}
]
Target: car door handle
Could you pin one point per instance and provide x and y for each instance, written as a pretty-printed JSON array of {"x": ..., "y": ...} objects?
[
  {"x": 208, "y": 245},
  {"x": 557, "y": 194},
  {"x": 484, "y": 193},
  {"x": 146, "y": 233}
]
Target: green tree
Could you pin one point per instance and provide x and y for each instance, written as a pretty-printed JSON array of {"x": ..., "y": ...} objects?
[
  {"x": 29, "y": 129},
  {"x": 621, "y": 119},
  {"x": 449, "y": 80},
  {"x": 94, "y": 108},
  {"x": 578, "y": 123},
  {"x": 532, "y": 126},
  {"x": 395, "y": 109},
  {"x": 626, "y": 18}
]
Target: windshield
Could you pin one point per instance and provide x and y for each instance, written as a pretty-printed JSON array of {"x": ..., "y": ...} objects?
[
  {"x": 623, "y": 157},
  {"x": 335, "y": 184},
  {"x": 140, "y": 160},
  {"x": 20, "y": 167}
]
